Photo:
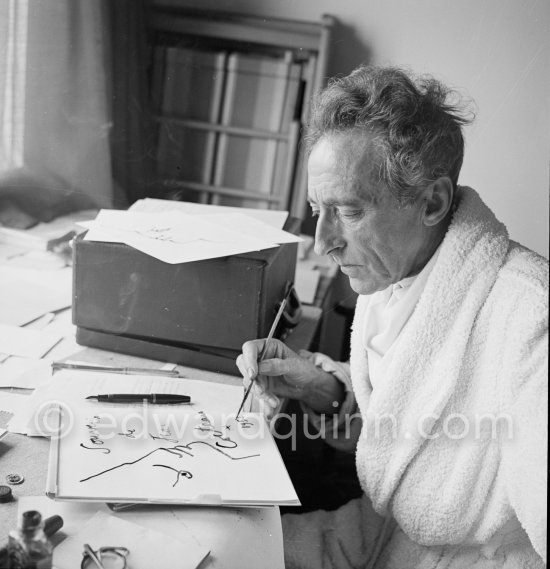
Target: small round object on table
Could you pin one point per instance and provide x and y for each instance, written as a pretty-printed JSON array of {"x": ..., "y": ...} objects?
[
  {"x": 15, "y": 479},
  {"x": 5, "y": 494}
]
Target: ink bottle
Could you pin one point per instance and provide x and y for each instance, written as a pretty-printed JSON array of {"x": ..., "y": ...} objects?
[{"x": 28, "y": 545}]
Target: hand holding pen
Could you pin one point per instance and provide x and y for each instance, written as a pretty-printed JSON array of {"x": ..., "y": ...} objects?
[
  {"x": 265, "y": 346},
  {"x": 284, "y": 373},
  {"x": 280, "y": 372}
]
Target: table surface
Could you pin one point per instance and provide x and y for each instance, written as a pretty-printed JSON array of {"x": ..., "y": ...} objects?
[
  {"x": 244, "y": 537},
  {"x": 27, "y": 456}
]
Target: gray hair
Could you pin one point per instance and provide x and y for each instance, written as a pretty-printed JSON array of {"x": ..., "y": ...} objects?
[{"x": 417, "y": 130}]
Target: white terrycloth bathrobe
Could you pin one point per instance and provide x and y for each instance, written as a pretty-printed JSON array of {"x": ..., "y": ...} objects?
[{"x": 443, "y": 489}]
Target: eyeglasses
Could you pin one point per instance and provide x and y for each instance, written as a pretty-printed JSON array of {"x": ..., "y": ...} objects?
[{"x": 104, "y": 558}]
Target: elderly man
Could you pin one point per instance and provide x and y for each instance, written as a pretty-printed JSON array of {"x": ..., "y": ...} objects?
[{"x": 444, "y": 400}]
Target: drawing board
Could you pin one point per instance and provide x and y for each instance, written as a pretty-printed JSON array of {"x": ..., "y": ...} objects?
[{"x": 167, "y": 454}]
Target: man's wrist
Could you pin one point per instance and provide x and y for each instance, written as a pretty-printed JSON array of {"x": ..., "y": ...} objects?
[{"x": 326, "y": 394}]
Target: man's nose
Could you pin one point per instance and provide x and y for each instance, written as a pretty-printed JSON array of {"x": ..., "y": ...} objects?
[{"x": 328, "y": 236}]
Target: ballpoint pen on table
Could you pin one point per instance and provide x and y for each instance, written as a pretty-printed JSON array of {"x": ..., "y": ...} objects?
[
  {"x": 264, "y": 349},
  {"x": 154, "y": 398},
  {"x": 109, "y": 369}
]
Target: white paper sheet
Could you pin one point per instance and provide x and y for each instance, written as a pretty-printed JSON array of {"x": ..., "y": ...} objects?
[
  {"x": 26, "y": 342},
  {"x": 248, "y": 225},
  {"x": 157, "y": 454},
  {"x": 62, "y": 325},
  {"x": 222, "y": 530},
  {"x": 14, "y": 405},
  {"x": 275, "y": 218},
  {"x": 71, "y": 387},
  {"x": 173, "y": 237},
  {"x": 148, "y": 548},
  {"x": 25, "y": 373},
  {"x": 40, "y": 261},
  {"x": 26, "y": 295}
]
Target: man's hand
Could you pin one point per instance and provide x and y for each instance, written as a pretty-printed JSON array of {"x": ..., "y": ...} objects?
[{"x": 284, "y": 373}]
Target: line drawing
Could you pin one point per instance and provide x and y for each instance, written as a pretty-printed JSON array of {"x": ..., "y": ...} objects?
[
  {"x": 176, "y": 449},
  {"x": 184, "y": 473},
  {"x": 105, "y": 450}
]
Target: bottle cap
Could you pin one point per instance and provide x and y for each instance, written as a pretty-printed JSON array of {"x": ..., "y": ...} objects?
[
  {"x": 31, "y": 520},
  {"x": 52, "y": 524},
  {"x": 5, "y": 494}
]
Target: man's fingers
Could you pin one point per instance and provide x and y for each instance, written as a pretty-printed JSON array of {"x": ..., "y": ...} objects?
[
  {"x": 259, "y": 388},
  {"x": 247, "y": 362},
  {"x": 290, "y": 368},
  {"x": 260, "y": 384},
  {"x": 276, "y": 366},
  {"x": 241, "y": 364}
]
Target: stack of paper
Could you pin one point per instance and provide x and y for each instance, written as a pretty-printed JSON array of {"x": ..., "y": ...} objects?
[
  {"x": 34, "y": 319},
  {"x": 178, "y": 237},
  {"x": 159, "y": 455},
  {"x": 275, "y": 218},
  {"x": 30, "y": 350},
  {"x": 196, "y": 453},
  {"x": 26, "y": 342},
  {"x": 26, "y": 294},
  {"x": 25, "y": 373}
]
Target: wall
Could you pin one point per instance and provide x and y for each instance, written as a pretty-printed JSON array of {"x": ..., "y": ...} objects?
[{"x": 496, "y": 51}]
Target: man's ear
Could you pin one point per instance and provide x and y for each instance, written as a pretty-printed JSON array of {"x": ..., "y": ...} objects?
[{"x": 438, "y": 199}]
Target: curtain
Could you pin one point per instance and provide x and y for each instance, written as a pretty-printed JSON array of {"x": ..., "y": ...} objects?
[
  {"x": 133, "y": 138},
  {"x": 54, "y": 108}
]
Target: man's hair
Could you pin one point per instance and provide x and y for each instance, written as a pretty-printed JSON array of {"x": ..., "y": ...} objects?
[{"x": 415, "y": 126}]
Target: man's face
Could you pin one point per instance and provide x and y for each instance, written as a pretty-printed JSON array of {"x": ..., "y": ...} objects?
[{"x": 360, "y": 225}]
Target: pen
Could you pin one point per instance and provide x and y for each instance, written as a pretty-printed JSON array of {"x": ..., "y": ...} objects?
[
  {"x": 158, "y": 398},
  {"x": 124, "y": 370},
  {"x": 267, "y": 340}
]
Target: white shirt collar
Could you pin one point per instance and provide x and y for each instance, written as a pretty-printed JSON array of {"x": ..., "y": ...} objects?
[{"x": 388, "y": 312}]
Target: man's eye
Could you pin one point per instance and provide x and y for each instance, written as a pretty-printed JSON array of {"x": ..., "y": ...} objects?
[
  {"x": 314, "y": 212},
  {"x": 351, "y": 214}
]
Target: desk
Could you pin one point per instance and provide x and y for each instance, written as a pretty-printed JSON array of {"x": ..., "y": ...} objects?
[{"x": 28, "y": 456}]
